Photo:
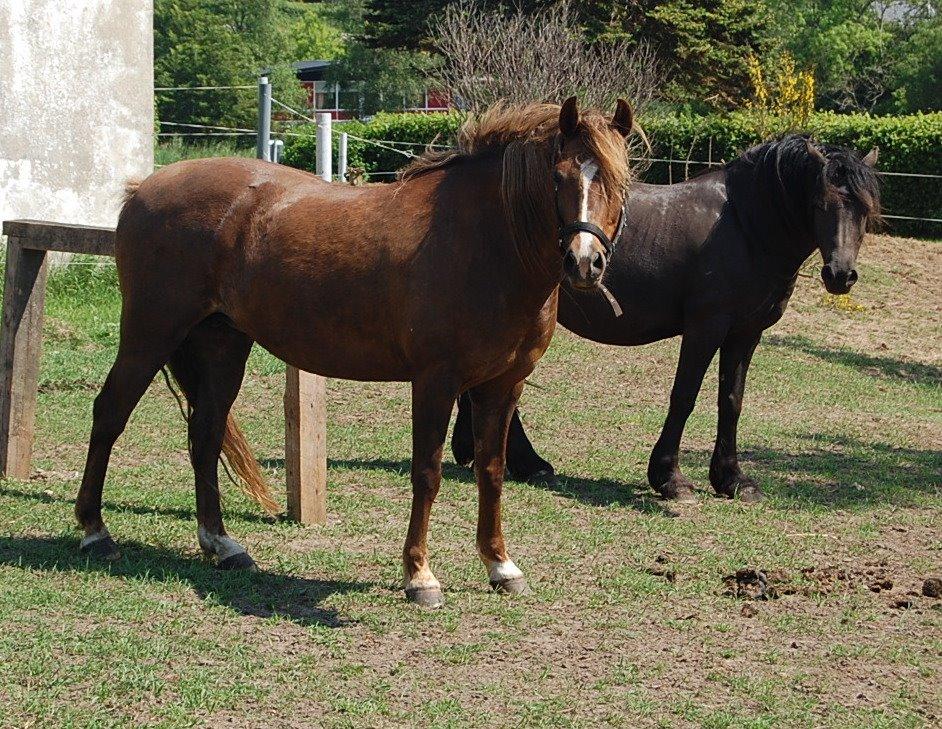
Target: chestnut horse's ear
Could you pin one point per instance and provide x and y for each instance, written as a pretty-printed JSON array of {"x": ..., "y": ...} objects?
[
  {"x": 569, "y": 117},
  {"x": 624, "y": 118},
  {"x": 816, "y": 153},
  {"x": 871, "y": 157}
]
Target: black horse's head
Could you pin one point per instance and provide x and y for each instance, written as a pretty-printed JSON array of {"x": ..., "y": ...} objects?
[{"x": 846, "y": 198}]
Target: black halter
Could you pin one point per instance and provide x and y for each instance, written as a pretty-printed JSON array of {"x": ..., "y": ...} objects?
[{"x": 567, "y": 230}]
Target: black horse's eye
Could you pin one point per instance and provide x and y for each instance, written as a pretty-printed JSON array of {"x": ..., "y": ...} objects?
[{"x": 557, "y": 177}]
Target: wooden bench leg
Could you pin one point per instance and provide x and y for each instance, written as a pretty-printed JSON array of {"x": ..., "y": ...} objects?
[
  {"x": 24, "y": 296},
  {"x": 306, "y": 446}
]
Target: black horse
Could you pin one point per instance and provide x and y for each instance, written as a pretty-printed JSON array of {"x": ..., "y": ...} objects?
[{"x": 715, "y": 259}]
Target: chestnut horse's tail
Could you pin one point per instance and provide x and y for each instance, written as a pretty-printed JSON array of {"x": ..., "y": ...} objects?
[{"x": 235, "y": 449}]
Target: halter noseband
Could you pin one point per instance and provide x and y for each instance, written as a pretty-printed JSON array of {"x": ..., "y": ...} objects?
[{"x": 567, "y": 230}]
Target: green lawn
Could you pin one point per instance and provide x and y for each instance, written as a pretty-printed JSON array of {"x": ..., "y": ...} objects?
[{"x": 842, "y": 427}]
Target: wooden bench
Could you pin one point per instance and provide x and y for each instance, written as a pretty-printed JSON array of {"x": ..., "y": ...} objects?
[{"x": 24, "y": 294}]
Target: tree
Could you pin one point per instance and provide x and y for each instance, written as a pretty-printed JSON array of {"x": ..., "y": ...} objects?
[
  {"x": 490, "y": 56},
  {"x": 217, "y": 43}
]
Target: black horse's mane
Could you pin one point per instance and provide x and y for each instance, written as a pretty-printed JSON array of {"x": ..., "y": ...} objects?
[{"x": 789, "y": 163}]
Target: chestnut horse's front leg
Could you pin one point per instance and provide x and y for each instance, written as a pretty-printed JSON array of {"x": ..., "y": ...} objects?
[
  {"x": 433, "y": 398},
  {"x": 493, "y": 405}
]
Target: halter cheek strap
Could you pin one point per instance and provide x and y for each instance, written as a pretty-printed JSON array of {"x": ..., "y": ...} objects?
[{"x": 570, "y": 229}]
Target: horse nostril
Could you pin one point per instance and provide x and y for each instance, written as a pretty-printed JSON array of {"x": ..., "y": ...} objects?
[
  {"x": 570, "y": 265},
  {"x": 598, "y": 263},
  {"x": 852, "y": 277}
]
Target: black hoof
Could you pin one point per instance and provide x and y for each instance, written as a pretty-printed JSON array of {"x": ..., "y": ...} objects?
[
  {"x": 543, "y": 477},
  {"x": 427, "y": 597},
  {"x": 512, "y": 586},
  {"x": 104, "y": 548},
  {"x": 742, "y": 488},
  {"x": 678, "y": 489},
  {"x": 240, "y": 561}
]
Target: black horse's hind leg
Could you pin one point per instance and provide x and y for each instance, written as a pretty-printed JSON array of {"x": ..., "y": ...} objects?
[
  {"x": 462, "y": 436},
  {"x": 523, "y": 462},
  {"x": 697, "y": 349},
  {"x": 209, "y": 366},
  {"x": 725, "y": 474}
]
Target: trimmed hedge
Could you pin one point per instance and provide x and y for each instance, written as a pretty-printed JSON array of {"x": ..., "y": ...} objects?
[{"x": 907, "y": 144}]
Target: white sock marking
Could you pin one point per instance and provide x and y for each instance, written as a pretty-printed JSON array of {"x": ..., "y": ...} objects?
[
  {"x": 94, "y": 537},
  {"x": 501, "y": 571},
  {"x": 220, "y": 545}
]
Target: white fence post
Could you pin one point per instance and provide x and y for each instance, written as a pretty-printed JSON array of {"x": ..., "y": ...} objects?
[
  {"x": 262, "y": 148},
  {"x": 342, "y": 157},
  {"x": 324, "y": 146}
]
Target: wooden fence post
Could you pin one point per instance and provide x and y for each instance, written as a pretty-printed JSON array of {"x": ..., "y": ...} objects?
[
  {"x": 24, "y": 295},
  {"x": 306, "y": 446}
]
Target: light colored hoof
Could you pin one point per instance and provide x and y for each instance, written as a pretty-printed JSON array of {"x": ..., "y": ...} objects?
[
  {"x": 512, "y": 586},
  {"x": 427, "y": 597}
]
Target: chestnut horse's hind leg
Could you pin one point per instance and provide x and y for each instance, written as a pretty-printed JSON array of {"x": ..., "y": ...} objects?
[
  {"x": 127, "y": 381},
  {"x": 210, "y": 366},
  {"x": 432, "y": 402},
  {"x": 493, "y": 405},
  {"x": 697, "y": 350},
  {"x": 725, "y": 474}
]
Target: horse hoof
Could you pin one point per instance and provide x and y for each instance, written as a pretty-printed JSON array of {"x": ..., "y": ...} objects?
[
  {"x": 543, "y": 477},
  {"x": 680, "y": 491},
  {"x": 511, "y": 586},
  {"x": 103, "y": 549},
  {"x": 749, "y": 493},
  {"x": 427, "y": 597},
  {"x": 240, "y": 561}
]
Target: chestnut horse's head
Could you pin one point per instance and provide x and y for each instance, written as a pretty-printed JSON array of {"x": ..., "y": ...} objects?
[
  {"x": 563, "y": 179},
  {"x": 590, "y": 174}
]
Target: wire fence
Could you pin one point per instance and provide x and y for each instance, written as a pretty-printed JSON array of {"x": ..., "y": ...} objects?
[{"x": 405, "y": 149}]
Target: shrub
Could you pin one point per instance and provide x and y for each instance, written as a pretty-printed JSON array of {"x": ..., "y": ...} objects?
[{"x": 910, "y": 143}]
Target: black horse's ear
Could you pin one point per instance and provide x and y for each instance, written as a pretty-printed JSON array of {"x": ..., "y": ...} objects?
[
  {"x": 624, "y": 118},
  {"x": 870, "y": 159},
  {"x": 569, "y": 116},
  {"x": 816, "y": 153}
]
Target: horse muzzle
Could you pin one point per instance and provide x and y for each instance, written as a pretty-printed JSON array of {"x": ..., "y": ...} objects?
[
  {"x": 838, "y": 280},
  {"x": 584, "y": 271}
]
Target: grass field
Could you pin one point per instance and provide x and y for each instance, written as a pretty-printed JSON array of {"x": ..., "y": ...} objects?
[{"x": 631, "y": 622}]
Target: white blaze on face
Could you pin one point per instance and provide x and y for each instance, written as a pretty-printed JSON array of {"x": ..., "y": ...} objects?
[{"x": 587, "y": 171}]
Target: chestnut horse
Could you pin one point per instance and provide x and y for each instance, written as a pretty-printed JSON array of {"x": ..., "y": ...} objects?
[
  {"x": 715, "y": 260},
  {"x": 447, "y": 279}
]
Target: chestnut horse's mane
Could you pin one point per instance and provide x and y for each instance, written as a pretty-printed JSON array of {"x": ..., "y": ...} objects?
[{"x": 526, "y": 136}]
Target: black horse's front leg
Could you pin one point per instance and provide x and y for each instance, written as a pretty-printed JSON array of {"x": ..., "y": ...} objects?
[
  {"x": 725, "y": 473},
  {"x": 523, "y": 462},
  {"x": 697, "y": 349}
]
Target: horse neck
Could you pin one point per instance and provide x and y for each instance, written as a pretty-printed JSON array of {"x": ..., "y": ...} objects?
[
  {"x": 533, "y": 267},
  {"x": 773, "y": 218}
]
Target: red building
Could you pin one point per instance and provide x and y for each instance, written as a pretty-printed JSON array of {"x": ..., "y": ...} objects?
[{"x": 346, "y": 103}]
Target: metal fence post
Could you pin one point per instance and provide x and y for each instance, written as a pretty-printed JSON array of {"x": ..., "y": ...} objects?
[
  {"x": 262, "y": 149},
  {"x": 324, "y": 144},
  {"x": 277, "y": 147},
  {"x": 342, "y": 157}
]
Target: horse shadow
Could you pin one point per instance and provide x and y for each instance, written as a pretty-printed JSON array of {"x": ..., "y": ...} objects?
[
  {"x": 139, "y": 509},
  {"x": 887, "y": 367},
  {"x": 259, "y": 594},
  {"x": 590, "y": 491}
]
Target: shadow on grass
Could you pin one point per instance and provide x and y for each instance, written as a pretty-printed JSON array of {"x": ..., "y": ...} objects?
[
  {"x": 259, "y": 594},
  {"x": 592, "y": 491},
  {"x": 842, "y": 472},
  {"x": 923, "y": 374},
  {"x": 177, "y": 513}
]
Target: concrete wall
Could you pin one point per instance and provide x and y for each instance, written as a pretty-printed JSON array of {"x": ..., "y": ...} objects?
[{"x": 76, "y": 106}]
